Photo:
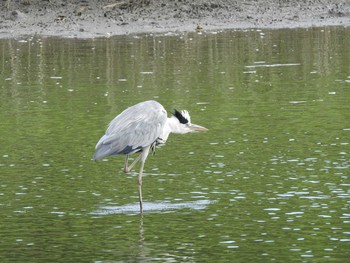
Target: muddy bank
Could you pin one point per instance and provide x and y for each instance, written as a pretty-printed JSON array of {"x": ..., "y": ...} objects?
[{"x": 90, "y": 18}]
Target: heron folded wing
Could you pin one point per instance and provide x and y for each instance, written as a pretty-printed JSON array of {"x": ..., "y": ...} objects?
[
  {"x": 101, "y": 152},
  {"x": 116, "y": 144},
  {"x": 135, "y": 128}
]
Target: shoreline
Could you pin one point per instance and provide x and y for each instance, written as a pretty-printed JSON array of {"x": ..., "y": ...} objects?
[{"x": 88, "y": 19}]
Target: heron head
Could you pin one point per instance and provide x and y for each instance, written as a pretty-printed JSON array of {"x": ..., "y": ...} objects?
[{"x": 185, "y": 122}]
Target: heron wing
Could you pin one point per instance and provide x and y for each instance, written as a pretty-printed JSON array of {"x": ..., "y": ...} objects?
[{"x": 136, "y": 127}]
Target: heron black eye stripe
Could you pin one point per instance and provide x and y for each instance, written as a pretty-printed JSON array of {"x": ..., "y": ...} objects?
[{"x": 180, "y": 117}]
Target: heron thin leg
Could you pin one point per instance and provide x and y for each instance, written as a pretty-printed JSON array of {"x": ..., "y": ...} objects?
[
  {"x": 143, "y": 157},
  {"x": 127, "y": 168},
  {"x": 139, "y": 184}
]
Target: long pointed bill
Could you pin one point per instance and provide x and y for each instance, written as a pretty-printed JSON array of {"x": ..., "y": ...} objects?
[{"x": 195, "y": 127}]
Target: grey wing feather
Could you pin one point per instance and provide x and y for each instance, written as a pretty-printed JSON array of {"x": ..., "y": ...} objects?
[{"x": 136, "y": 127}]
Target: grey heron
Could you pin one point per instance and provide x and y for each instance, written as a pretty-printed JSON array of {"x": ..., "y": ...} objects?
[{"x": 138, "y": 129}]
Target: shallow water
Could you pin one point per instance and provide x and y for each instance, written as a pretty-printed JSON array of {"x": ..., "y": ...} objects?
[{"x": 268, "y": 182}]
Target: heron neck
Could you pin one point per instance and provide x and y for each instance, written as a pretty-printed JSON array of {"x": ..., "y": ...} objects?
[{"x": 172, "y": 125}]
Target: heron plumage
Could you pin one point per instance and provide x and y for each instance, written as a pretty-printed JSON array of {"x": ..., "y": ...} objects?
[{"x": 136, "y": 127}]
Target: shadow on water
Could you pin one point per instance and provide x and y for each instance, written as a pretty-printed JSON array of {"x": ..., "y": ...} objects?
[{"x": 153, "y": 207}]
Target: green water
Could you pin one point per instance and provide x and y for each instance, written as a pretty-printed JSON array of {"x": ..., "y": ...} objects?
[{"x": 268, "y": 182}]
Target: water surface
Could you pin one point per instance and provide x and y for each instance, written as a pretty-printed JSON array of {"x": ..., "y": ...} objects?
[{"x": 268, "y": 182}]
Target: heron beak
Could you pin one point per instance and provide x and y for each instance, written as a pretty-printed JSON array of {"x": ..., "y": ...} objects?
[{"x": 195, "y": 127}]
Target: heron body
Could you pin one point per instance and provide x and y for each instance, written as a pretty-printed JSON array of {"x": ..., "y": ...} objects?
[{"x": 140, "y": 128}]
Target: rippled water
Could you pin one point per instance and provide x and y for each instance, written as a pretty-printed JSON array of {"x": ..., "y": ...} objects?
[{"x": 268, "y": 182}]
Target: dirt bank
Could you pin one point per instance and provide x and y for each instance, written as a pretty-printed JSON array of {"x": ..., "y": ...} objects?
[{"x": 91, "y": 18}]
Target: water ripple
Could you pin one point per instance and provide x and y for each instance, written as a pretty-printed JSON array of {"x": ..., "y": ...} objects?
[{"x": 152, "y": 207}]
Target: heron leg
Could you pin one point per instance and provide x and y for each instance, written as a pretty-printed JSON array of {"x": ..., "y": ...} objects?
[
  {"x": 143, "y": 157},
  {"x": 127, "y": 168},
  {"x": 139, "y": 184}
]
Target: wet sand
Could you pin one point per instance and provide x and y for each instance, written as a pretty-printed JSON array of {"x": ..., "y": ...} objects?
[{"x": 90, "y": 18}]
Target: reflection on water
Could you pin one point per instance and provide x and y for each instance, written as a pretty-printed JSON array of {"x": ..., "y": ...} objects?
[
  {"x": 268, "y": 182},
  {"x": 157, "y": 207}
]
